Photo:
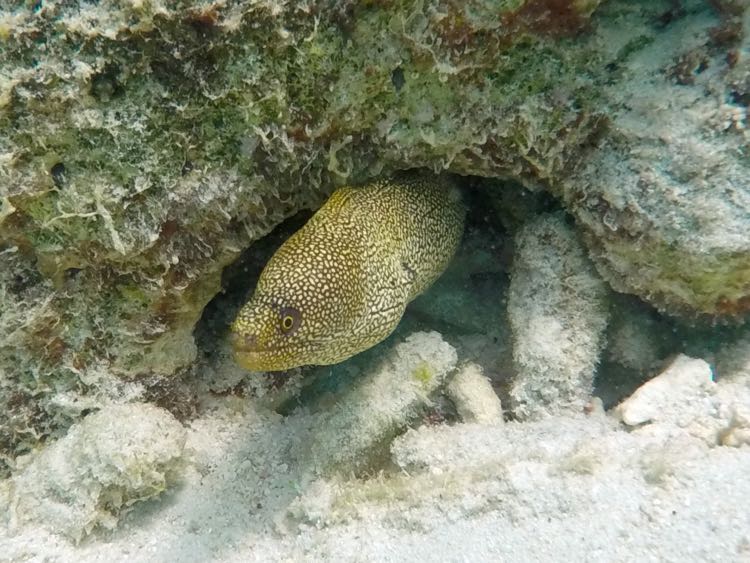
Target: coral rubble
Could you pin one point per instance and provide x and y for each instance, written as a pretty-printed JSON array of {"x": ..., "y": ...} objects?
[
  {"x": 472, "y": 394},
  {"x": 107, "y": 462},
  {"x": 558, "y": 314},
  {"x": 365, "y": 419}
]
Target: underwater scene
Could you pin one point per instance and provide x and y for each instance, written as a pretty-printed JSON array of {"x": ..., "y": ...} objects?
[{"x": 377, "y": 280}]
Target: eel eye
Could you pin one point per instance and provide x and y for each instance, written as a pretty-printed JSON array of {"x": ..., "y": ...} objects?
[{"x": 290, "y": 318}]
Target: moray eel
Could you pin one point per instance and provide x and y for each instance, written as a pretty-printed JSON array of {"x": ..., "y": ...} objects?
[{"x": 340, "y": 284}]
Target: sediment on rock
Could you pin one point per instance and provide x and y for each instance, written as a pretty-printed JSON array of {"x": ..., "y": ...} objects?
[
  {"x": 112, "y": 459},
  {"x": 558, "y": 314},
  {"x": 351, "y": 434}
]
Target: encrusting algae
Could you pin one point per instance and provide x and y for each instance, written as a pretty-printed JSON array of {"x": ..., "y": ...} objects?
[{"x": 340, "y": 284}]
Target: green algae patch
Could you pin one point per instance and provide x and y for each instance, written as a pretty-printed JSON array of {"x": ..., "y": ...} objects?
[
  {"x": 701, "y": 284},
  {"x": 423, "y": 373}
]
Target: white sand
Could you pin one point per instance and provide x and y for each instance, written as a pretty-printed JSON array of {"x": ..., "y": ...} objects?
[{"x": 561, "y": 489}]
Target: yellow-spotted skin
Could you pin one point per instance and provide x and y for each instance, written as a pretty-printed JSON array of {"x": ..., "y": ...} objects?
[{"x": 341, "y": 283}]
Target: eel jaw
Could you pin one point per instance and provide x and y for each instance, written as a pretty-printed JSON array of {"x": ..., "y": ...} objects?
[
  {"x": 252, "y": 357},
  {"x": 260, "y": 361}
]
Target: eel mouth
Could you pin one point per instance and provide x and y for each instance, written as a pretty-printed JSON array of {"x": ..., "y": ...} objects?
[
  {"x": 258, "y": 361},
  {"x": 252, "y": 357}
]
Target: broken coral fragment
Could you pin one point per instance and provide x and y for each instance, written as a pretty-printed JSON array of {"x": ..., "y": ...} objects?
[
  {"x": 558, "y": 313},
  {"x": 737, "y": 432},
  {"x": 473, "y": 396},
  {"x": 389, "y": 396},
  {"x": 673, "y": 395},
  {"x": 110, "y": 460}
]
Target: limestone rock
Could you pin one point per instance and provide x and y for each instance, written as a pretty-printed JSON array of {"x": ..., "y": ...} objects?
[
  {"x": 107, "y": 462},
  {"x": 664, "y": 201},
  {"x": 558, "y": 314},
  {"x": 473, "y": 396},
  {"x": 673, "y": 395}
]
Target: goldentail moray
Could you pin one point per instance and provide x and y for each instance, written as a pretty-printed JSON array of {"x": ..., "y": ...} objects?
[{"x": 341, "y": 283}]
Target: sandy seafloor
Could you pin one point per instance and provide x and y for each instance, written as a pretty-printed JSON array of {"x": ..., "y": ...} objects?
[{"x": 236, "y": 503}]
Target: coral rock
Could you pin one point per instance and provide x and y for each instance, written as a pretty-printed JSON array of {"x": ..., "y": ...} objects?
[
  {"x": 664, "y": 202},
  {"x": 108, "y": 461},
  {"x": 558, "y": 315},
  {"x": 671, "y": 396},
  {"x": 472, "y": 394}
]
